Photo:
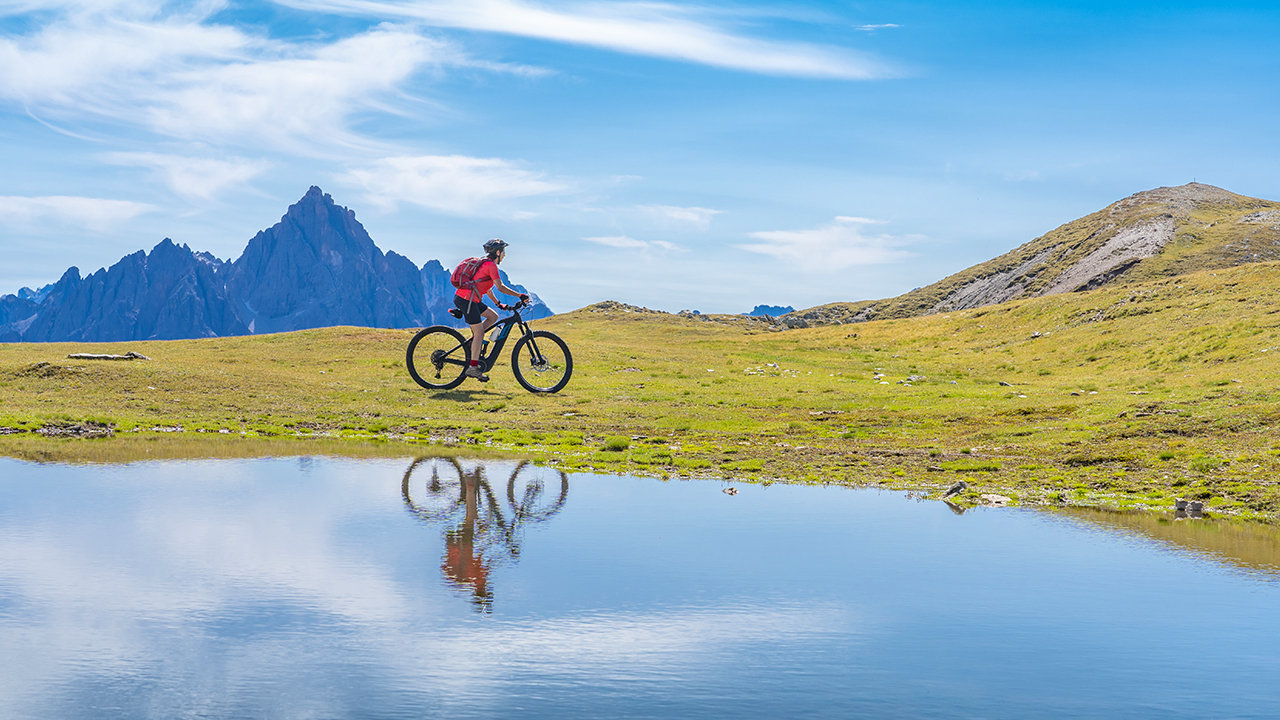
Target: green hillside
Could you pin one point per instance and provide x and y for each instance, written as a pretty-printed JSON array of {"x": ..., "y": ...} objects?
[
  {"x": 1149, "y": 235},
  {"x": 1120, "y": 397}
]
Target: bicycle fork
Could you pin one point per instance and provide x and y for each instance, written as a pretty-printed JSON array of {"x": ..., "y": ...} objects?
[{"x": 535, "y": 355}]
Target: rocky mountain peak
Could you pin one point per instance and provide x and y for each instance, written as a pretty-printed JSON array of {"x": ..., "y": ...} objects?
[
  {"x": 1177, "y": 199},
  {"x": 316, "y": 267},
  {"x": 1156, "y": 233}
]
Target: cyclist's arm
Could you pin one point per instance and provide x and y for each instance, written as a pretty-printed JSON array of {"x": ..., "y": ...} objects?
[
  {"x": 506, "y": 289},
  {"x": 499, "y": 285}
]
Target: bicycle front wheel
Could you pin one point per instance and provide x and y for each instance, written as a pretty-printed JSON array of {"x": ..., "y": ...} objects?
[
  {"x": 541, "y": 362},
  {"x": 536, "y": 493},
  {"x": 437, "y": 357}
]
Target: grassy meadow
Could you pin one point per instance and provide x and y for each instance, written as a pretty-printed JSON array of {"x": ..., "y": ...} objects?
[{"x": 1123, "y": 398}]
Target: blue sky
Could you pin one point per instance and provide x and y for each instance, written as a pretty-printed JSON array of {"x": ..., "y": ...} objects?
[{"x": 708, "y": 155}]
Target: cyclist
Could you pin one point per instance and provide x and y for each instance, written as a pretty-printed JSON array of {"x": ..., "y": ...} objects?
[{"x": 479, "y": 316}]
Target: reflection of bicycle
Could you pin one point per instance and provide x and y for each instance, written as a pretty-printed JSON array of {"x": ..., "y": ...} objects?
[
  {"x": 434, "y": 490},
  {"x": 438, "y": 356}
]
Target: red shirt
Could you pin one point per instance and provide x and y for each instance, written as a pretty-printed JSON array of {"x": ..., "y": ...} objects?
[{"x": 485, "y": 277}]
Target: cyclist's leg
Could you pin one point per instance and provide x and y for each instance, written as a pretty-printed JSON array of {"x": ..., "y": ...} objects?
[
  {"x": 488, "y": 318},
  {"x": 475, "y": 313},
  {"x": 477, "y": 341}
]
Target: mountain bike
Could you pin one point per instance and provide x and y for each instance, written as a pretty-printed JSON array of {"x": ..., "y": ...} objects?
[
  {"x": 432, "y": 490},
  {"x": 438, "y": 356}
]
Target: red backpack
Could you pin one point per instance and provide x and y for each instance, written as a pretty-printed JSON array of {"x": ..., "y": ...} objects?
[{"x": 464, "y": 276}]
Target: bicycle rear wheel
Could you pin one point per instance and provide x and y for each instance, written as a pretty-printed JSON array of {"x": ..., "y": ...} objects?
[
  {"x": 437, "y": 356},
  {"x": 541, "y": 362}
]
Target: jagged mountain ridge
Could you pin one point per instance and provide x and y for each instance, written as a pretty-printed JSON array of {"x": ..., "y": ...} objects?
[
  {"x": 317, "y": 267},
  {"x": 1157, "y": 233},
  {"x": 771, "y": 310}
]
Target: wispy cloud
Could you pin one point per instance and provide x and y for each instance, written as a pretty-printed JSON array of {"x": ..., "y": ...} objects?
[
  {"x": 89, "y": 55},
  {"x": 669, "y": 31},
  {"x": 303, "y": 98},
  {"x": 185, "y": 76},
  {"x": 83, "y": 212},
  {"x": 193, "y": 177},
  {"x": 454, "y": 184},
  {"x": 839, "y": 245},
  {"x": 625, "y": 242},
  {"x": 873, "y": 28},
  {"x": 698, "y": 217}
]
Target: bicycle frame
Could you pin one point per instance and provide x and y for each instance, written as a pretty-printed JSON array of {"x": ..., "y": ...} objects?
[{"x": 495, "y": 347}]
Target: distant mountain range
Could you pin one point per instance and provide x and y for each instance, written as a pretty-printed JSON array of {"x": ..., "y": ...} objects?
[
  {"x": 1158, "y": 233},
  {"x": 317, "y": 267},
  {"x": 771, "y": 310}
]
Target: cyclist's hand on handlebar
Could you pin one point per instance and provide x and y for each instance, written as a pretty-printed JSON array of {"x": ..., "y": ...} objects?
[
  {"x": 503, "y": 306},
  {"x": 524, "y": 298}
]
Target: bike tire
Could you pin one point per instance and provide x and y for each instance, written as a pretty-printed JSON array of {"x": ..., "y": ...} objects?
[
  {"x": 437, "y": 343},
  {"x": 547, "y": 363},
  {"x": 437, "y": 497},
  {"x": 527, "y": 491}
]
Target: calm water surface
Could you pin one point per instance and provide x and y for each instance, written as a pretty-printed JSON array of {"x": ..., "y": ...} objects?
[{"x": 326, "y": 588}]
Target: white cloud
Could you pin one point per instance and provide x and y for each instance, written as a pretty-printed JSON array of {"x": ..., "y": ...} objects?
[
  {"x": 87, "y": 58},
  {"x": 841, "y": 244},
  {"x": 453, "y": 184},
  {"x": 185, "y": 77},
  {"x": 191, "y": 177},
  {"x": 698, "y": 217},
  {"x": 301, "y": 99},
  {"x": 873, "y": 28},
  {"x": 625, "y": 242},
  {"x": 85, "y": 212},
  {"x": 662, "y": 30}
]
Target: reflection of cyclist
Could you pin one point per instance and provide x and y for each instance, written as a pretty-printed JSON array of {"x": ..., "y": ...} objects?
[
  {"x": 479, "y": 316},
  {"x": 465, "y": 566},
  {"x": 478, "y": 535}
]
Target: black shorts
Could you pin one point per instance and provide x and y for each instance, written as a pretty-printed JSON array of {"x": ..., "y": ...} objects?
[{"x": 472, "y": 310}]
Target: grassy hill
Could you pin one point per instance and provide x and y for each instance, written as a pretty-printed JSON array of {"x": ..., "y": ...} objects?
[
  {"x": 1119, "y": 397},
  {"x": 1154, "y": 234}
]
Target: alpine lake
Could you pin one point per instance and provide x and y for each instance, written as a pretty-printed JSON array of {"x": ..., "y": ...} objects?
[{"x": 322, "y": 587}]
